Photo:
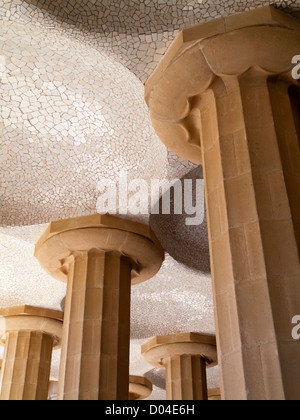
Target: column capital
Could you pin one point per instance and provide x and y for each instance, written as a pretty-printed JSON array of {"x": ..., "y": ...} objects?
[
  {"x": 103, "y": 233},
  {"x": 139, "y": 388},
  {"x": 160, "y": 348},
  {"x": 265, "y": 39},
  {"x": 30, "y": 318}
]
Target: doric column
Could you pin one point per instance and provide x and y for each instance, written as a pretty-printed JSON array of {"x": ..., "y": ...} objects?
[
  {"x": 99, "y": 257},
  {"x": 185, "y": 358},
  {"x": 139, "y": 388},
  {"x": 224, "y": 97},
  {"x": 30, "y": 334}
]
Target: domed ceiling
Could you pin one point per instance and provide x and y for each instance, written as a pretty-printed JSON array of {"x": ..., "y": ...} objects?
[{"x": 72, "y": 114}]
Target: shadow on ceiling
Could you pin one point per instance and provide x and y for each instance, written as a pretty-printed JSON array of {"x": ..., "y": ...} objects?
[
  {"x": 157, "y": 377},
  {"x": 186, "y": 244}
]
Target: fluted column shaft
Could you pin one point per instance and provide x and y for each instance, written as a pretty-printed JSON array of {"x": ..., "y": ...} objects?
[
  {"x": 26, "y": 369},
  {"x": 186, "y": 378},
  {"x": 29, "y": 334},
  {"x": 95, "y": 355},
  {"x": 253, "y": 239}
]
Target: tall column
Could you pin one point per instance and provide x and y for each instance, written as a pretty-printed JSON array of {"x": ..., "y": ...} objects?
[
  {"x": 253, "y": 241},
  {"x": 236, "y": 111},
  {"x": 99, "y": 257},
  {"x": 185, "y": 358},
  {"x": 29, "y": 334}
]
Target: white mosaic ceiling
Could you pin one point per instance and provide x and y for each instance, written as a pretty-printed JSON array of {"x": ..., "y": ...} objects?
[
  {"x": 70, "y": 117},
  {"x": 134, "y": 32},
  {"x": 72, "y": 113}
]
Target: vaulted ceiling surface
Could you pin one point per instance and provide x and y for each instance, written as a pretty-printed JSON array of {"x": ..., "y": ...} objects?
[
  {"x": 136, "y": 16},
  {"x": 71, "y": 117},
  {"x": 136, "y": 33}
]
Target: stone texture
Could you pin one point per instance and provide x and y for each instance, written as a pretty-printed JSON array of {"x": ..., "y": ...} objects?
[
  {"x": 187, "y": 376},
  {"x": 26, "y": 371},
  {"x": 29, "y": 334},
  {"x": 95, "y": 355}
]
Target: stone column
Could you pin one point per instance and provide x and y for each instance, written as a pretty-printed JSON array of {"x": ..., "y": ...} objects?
[
  {"x": 30, "y": 334},
  {"x": 139, "y": 388},
  {"x": 99, "y": 257},
  {"x": 224, "y": 97},
  {"x": 185, "y": 358}
]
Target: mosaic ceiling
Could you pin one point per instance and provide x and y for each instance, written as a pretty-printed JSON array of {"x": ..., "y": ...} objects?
[
  {"x": 72, "y": 114},
  {"x": 136, "y": 33}
]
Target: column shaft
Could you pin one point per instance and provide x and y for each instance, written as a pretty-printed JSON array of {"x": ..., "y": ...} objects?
[
  {"x": 26, "y": 366},
  {"x": 285, "y": 101},
  {"x": 255, "y": 263},
  {"x": 96, "y": 336},
  {"x": 186, "y": 378}
]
